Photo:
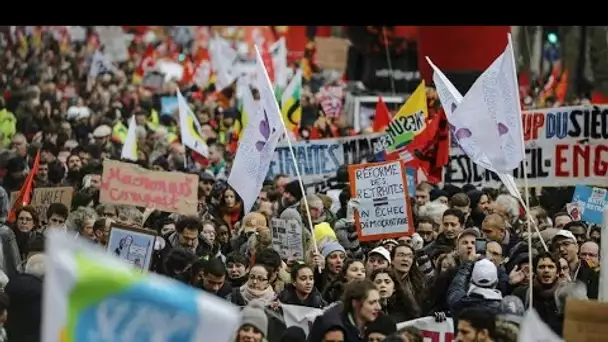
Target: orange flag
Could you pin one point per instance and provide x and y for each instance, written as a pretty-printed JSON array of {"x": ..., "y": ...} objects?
[
  {"x": 382, "y": 118},
  {"x": 25, "y": 194}
]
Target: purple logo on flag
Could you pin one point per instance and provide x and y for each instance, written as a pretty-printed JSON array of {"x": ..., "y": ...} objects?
[{"x": 265, "y": 131}]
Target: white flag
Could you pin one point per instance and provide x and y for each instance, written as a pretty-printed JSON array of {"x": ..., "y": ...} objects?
[
  {"x": 488, "y": 119},
  {"x": 189, "y": 128},
  {"x": 278, "y": 51},
  {"x": 256, "y": 148},
  {"x": 223, "y": 57},
  {"x": 91, "y": 295},
  {"x": 129, "y": 148},
  {"x": 450, "y": 99},
  {"x": 533, "y": 329}
]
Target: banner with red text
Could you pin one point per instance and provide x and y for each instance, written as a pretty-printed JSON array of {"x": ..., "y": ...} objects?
[
  {"x": 565, "y": 146},
  {"x": 129, "y": 184},
  {"x": 431, "y": 331}
]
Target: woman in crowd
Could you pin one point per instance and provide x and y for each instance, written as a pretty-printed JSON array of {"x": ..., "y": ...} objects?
[
  {"x": 208, "y": 246},
  {"x": 256, "y": 289},
  {"x": 330, "y": 261},
  {"x": 351, "y": 271},
  {"x": 231, "y": 208},
  {"x": 395, "y": 302},
  {"x": 302, "y": 290},
  {"x": 26, "y": 226},
  {"x": 360, "y": 306},
  {"x": 81, "y": 221}
]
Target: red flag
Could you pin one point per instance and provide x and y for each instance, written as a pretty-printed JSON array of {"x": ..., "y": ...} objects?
[
  {"x": 25, "y": 194},
  {"x": 382, "y": 118}
]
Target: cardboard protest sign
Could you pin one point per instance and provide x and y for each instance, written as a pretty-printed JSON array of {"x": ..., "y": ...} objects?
[
  {"x": 585, "y": 321},
  {"x": 44, "y": 197},
  {"x": 129, "y": 184},
  {"x": 287, "y": 238},
  {"x": 384, "y": 210},
  {"x": 591, "y": 202},
  {"x": 332, "y": 52}
]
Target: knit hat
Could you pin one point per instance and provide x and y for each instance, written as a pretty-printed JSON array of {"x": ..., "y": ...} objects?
[
  {"x": 254, "y": 315},
  {"x": 383, "y": 324},
  {"x": 323, "y": 231},
  {"x": 484, "y": 274},
  {"x": 331, "y": 246},
  {"x": 253, "y": 221},
  {"x": 293, "y": 334},
  {"x": 293, "y": 188}
]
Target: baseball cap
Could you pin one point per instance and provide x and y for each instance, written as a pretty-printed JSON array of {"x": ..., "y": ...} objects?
[
  {"x": 484, "y": 274},
  {"x": 382, "y": 251},
  {"x": 564, "y": 233}
]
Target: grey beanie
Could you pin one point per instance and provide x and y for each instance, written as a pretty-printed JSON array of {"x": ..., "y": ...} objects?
[
  {"x": 331, "y": 246},
  {"x": 254, "y": 315}
]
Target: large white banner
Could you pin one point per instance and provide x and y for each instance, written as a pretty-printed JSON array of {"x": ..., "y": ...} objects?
[{"x": 565, "y": 146}]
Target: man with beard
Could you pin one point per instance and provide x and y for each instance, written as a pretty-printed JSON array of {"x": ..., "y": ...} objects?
[
  {"x": 73, "y": 177},
  {"x": 545, "y": 285},
  {"x": 291, "y": 196}
]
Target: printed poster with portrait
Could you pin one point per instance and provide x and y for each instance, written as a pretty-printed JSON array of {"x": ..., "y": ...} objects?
[{"x": 133, "y": 245}]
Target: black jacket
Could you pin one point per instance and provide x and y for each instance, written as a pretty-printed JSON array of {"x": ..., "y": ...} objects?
[
  {"x": 25, "y": 313},
  {"x": 289, "y": 296},
  {"x": 334, "y": 317},
  {"x": 440, "y": 244}
]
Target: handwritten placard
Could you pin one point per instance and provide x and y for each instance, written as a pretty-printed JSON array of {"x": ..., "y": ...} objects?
[
  {"x": 129, "y": 184},
  {"x": 384, "y": 209},
  {"x": 44, "y": 197}
]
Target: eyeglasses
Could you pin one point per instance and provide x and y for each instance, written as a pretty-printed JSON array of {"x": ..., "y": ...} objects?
[{"x": 252, "y": 277}]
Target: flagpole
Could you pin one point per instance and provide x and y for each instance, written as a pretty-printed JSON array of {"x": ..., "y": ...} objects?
[
  {"x": 388, "y": 61},
  {"x": 293, "y": 155},
  {"x": 525, "y": 170}
]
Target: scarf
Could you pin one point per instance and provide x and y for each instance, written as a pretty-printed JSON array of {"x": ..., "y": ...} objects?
[
  {"x": 544, "y": 291},
  {"x": 232, "y": 215},
  {"x": 263, "y": 297},
  {"x": 490, "y": 294}
]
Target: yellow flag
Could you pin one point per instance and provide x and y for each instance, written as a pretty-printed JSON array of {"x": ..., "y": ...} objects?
[{"x": 409, "y": 121}]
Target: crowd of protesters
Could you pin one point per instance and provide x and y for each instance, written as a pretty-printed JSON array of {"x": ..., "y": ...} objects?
[{"x": 468, "y": 259}]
